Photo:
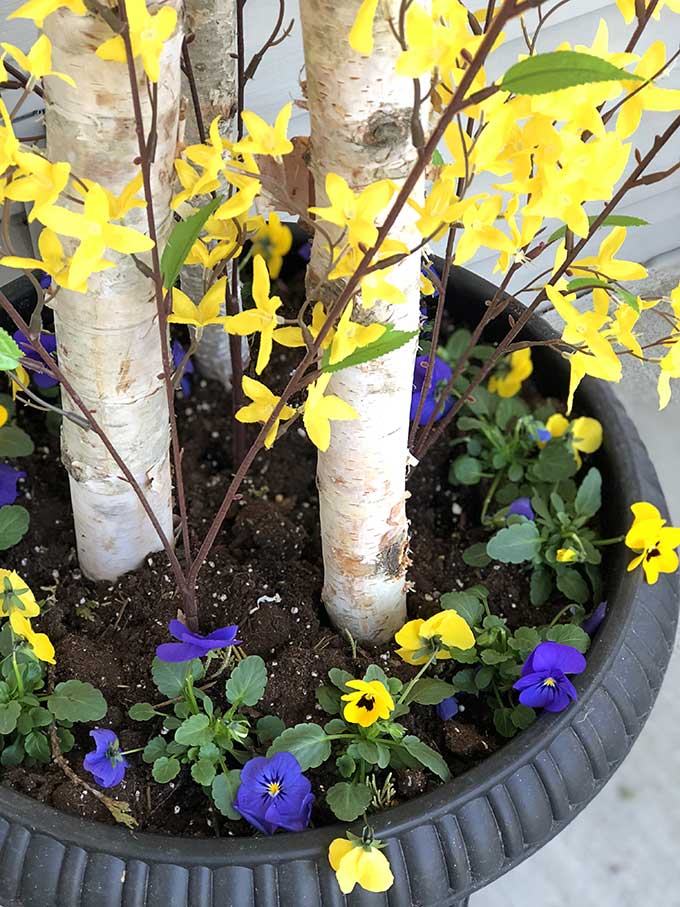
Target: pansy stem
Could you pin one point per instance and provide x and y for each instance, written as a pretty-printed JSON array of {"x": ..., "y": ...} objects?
[
  {"x": 615, "y": 541},
  {"x": 493, "y": 488},
  {"x": 191, "y": 698},
  {"x": 17, "y": 673},
  {"x": 409, "y": 686},
  {"x": 559, "y": 614}
]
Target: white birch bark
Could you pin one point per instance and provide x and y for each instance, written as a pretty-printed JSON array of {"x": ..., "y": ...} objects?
[
  {"x": 107, "y": 339},
  {"x": 360, "y": 129},
  {"x": 213, "y": 60}
]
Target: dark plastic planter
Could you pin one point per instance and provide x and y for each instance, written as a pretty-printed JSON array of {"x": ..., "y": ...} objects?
[{"x": 444, "y": 845}]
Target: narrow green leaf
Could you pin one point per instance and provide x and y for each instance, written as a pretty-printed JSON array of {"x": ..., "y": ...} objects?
[
  {"x": 589, "y": 496},
  {"x": 544, "y": 73},
  {"x": 426, "y": 756},
  {"x": 184, "y": 234},
  {"x": 612, "y": 220},
  {"x": 10, "y": 352},
  {"x": 390, "y": 341}
]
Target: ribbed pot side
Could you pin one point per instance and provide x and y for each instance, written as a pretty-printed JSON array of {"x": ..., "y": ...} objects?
[{"x": 441, "y": 846}]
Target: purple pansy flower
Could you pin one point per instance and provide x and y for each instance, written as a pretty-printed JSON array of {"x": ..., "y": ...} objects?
[
  {"x": 44, "y": 279},
  {"x": 49, "y": 342},
  {"x": 543, "y": 435},
  {"x": 193, "y": 645},
  {"x": 8, "y": 484},
  {"x": 107, "y": 764},
  {"x": 440, "y": 374},
  {"x": 447, "y": 708},
  {"x": 275, "y": 794},
  {"x": 522, "y": 507},
  {"x": 178, "y": 353},
  {"x": 305, "y": 250},
  {"x": 544, "y": 684},
  {"x": 591, "y": 624}
]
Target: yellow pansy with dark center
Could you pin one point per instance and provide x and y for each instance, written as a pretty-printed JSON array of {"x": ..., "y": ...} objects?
[
  {"x": 370, "y": 702},
  {"x": 654, "y": 541}
]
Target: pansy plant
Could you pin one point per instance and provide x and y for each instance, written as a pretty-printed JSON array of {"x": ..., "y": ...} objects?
[
  {"x": 28, "y": 709},
  {"x": 212, "y": 742},
  {"x": 364, "y": 735}
]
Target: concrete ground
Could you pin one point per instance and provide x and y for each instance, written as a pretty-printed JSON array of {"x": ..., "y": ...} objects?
[{"x": 623, "y": 850}]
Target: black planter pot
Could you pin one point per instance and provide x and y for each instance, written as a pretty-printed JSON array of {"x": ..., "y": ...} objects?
[{"x": 444, "y": 845}]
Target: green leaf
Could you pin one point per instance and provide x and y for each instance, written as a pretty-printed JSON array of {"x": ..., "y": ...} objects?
[
  {"x": 268, "y": 728},
  {"x": 555, "y": 462},
  {"x": 426, "y": 756},
  {"x": 589, "y": 496},
  {"x": 13, "y": 755},
  {"x": 170, "y": 677},
  {"x": 37, "y": 746},
  {"x": 430, "y": 691},
  {"x": 368, "y": 750},
  {"x": 483, "y": 677},
  {"x": 345, "y": 765},
  {"x": 14, "y": 442},
  {"x": 391, "y": 340},
  {"x": 469, "y": 604},
  {"x": 329, "y": 699},
  {"x": 10, "y": 351},
  {"x": 492, "y": 657},
  {"x": 203, "y": 772},
  {"x": 224, "y": 790},
  {"x": 541, "y": 585},
  {"x": 578, "y": 283},
  {"x": 437, "y": 159},
  {"x": 194, "y": 731},
  {"x": 184, "y": 234},
  {"x": 142, "y": 711},
  {"x": 348, "y": 801},
  {"x": 66, "y": 739},
  {"x": 339, "y": 678},
  {"x": 572, "y": 585},
  {"x": 476, "y": 556},
  {"x": 14, "y": 522},
  {"x": 9, "y": 713},
  {"x": 165, "y": 769},
  {"x": 307, "y": 742},
  {"x": 74, "y": 700},
  {"x": 464, "y": 681},
  {"x": 247, "y": 683},
  {"x": 612, "y": 220},
  {"x": 543, "y": 73},
  {"x": 466, "y": 470},
  {"x": 155, "y": 748},
  {"x": 502, "y": 719},
  {"x": 515, "y": 544},
  {"x": 522, "y": 717},
  {"x": 569, "y": 635}
]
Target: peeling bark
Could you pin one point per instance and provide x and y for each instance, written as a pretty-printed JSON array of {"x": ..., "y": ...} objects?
[
  {"x": 360, "y": 129},
  {"x": 107, "y": 339}
]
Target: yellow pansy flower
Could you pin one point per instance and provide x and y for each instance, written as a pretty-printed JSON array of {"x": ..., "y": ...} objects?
[
  {"x": 262, "y": 407},
  {"x": 271, "y": 240},
  {"x": 262, "y": 319},
  {"x": 263, "y": 138},
  {"x": 369, "y": 702},
  {"x": 655, "y": 541},
  {"x": 510, "y": 384},
  {"x": 349, "y": 335},
  {"x": 39, "y": 10},
  {"x": 4, "y": 415},
  {"x": 320, "y": 411},
  {"x": 356, "y": 863},
  {"x": 355, "y": 211},
  {"x": 40, "y": 643},
  {"x": 21, "y": 375},
  {"x": 148, "y": 34},
  {"x": 586, "y": 433},
  {"x": 565, "y": 555},
  {"x": 361, "y": 34},
  {"x": 55, "y": 263},
  {"x": 15, "y": 596},
  {"x": 184, "y": 311},
  {"x": 39, "y": 181},
  {"x": 447, "y": 628},
  {"x": 95, "y": 233},
  {"x": 38, "y": 61}
]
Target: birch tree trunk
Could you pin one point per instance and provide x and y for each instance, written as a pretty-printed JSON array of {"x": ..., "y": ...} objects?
[
  {"x": 213, "y": 58},
  {"x": 107, "y": 339},
  {"x": 360, "y": 129}
]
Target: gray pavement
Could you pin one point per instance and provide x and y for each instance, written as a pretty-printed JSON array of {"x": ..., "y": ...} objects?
[{"x": 624, "y": 848}]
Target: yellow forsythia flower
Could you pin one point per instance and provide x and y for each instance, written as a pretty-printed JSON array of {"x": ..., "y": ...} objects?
[
  {"x": 370, "y": 701},
  {"x": 184, "y": 311},
  {"x": 272, "y": 241},
  {"x": 38, "y": 61},
  {"x": 350, "y": 336},
  {"x": 356, "y": 863},
  {"x": 447, "y": 628},
  {"x": 655, "y": 541},
  {"x": 262, "y": 407},
  {"x": 361, "y": 34},
  {"x": 148, "y": 34},
  {"x": 319, "y": 411},
  {"x": 263, "y": 138},
  {"x": 39, "y": 10},
  {"x": 262, "y": 319},
  {"x": 510, "y": 384}
]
